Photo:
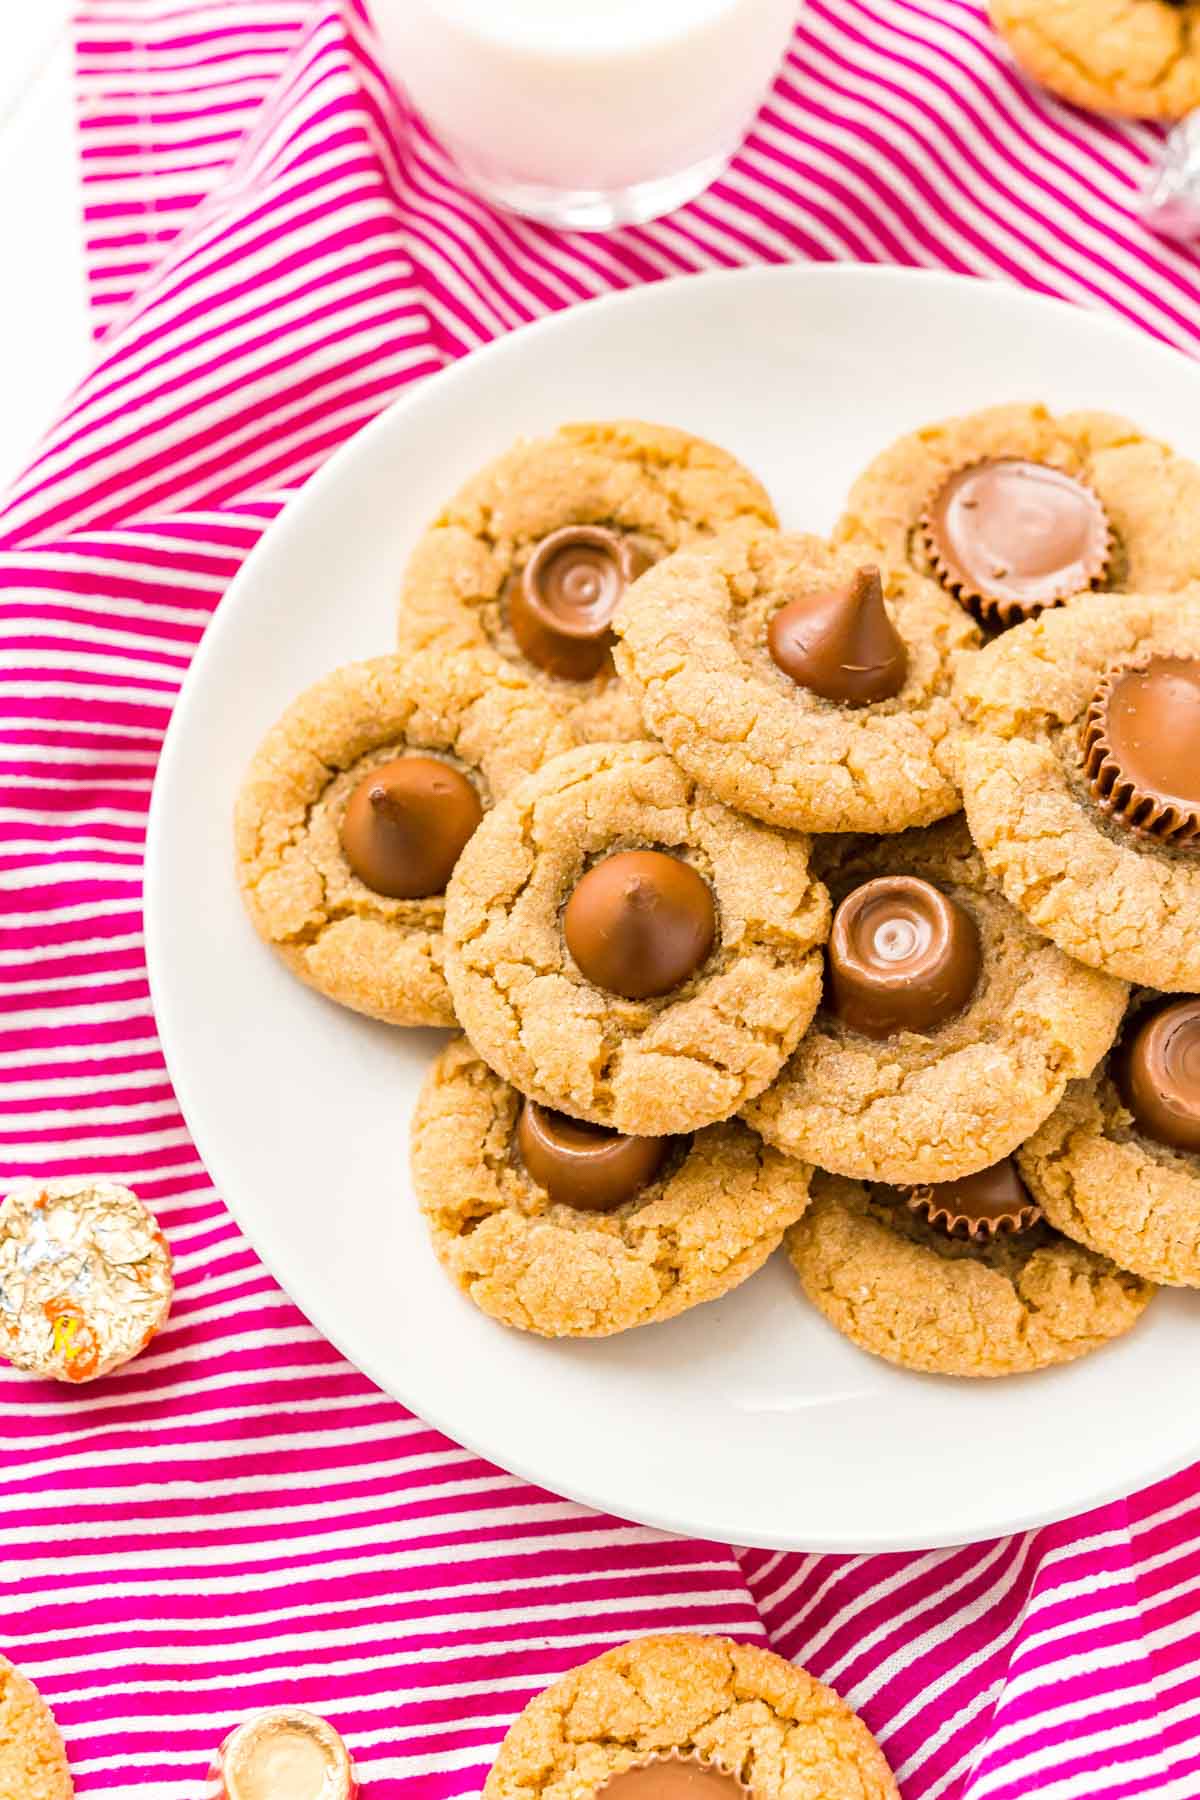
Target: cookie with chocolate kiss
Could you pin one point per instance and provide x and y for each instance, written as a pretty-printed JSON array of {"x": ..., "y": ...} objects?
[
  {"x": 532, "y": 556},
  {"x": 908, "y": 1288},
  {"x": 1118, "y": 1164},
  {"x": 626, "y": 950},
  {"x": 688, "y": 1717},
  {"x": 567, "y": 1229},
  {"x": 948, "y": 1028},
  {"x": 1077, "y": 761},
  {"x": 807, "y": 687},
  {"x": 1014, "y": 510},
  {"x": 357, "y": 806}
]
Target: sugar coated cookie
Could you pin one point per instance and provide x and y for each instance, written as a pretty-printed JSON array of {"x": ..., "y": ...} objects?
[
  {"x": 801, "y": 684},
  {"x": 948, "y": 1028},
  {"x": 1140, "y": 60},
  {"x": 672, "y": 1718},
  {"x": 357, "y": 805},
  {"x": 571, "y": 1230},
  {"x": 532, "y": 556},
  {"x": 1117, "y": 1167},
  {"x": 625, "y": 949},
  {"x": 33, "y": 1763},
  {"x": 1013, "y": 510},
  {"x": 964, "y": 1278},
  {"x": 1080, "y": 770}
]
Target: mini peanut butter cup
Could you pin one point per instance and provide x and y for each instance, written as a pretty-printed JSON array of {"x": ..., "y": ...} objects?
[
  {"x": 1141, "y": 748},
  {"x": 589, "y": 1167},
  {"x": 674, "y": 1775},
  {"x": 978, "y": 1207},
  {"x": 561, "y": 607},
  {"x": 1009, "y": 537},
  {"x": 840, "y": 642},
  {"x": 1156, "y": 1069}
]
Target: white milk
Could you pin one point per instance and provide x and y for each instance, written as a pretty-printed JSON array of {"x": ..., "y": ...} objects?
[{"x": 587, "y": 111}]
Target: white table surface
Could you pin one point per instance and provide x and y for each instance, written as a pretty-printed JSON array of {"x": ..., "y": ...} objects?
[{"x": 45, "y": 343}]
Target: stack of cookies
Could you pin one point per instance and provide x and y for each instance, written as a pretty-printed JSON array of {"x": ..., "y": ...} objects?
[{"x": 838, "y": 892}]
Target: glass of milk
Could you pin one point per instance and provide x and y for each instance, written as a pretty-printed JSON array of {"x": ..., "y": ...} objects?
[{"x": 587, "y": 113}]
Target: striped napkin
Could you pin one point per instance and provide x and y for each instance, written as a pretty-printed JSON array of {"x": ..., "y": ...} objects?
[{"x": 241, "y": 1517}]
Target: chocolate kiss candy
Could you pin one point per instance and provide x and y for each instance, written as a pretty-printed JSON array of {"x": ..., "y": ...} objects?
[
  {"x": 1009, "y": 537},
  {"x": 902, "y": 956},
  {"x": 640, "y": 923},
  {"x": 673, "y": 1777},
  {"x": 840, "y": 643},
  {"x": 585, "y": 1166},
  {"x": 406, "y": 825},
  {"x": 978, "y": 1206},
  {"x": 562, "y": 606},
  {"x": 1141, "y": 748},
  {"x": 1157, "y": 1072}
]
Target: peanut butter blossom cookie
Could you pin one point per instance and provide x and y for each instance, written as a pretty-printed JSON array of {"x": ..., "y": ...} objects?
[
  {"x": 802, "y": 685},
  {"x": 625, "y": 949},
  {"x": 357, "y": 806},
  {"x": 948, "y": 1028},
  {"x": 532, "y": 556},
  {"x": 959, "y": 1278},
  {"x": 1118, "y": 1165},
  {"x": 1080, "y": 770},
  {"x": 1140, "y": 60},
  {"x": 572, "y": 1230},
  {"x": 688, "y": 1718},
  {"x": 1013, "y": 510},
  {"x": 33, "y": 1763}
]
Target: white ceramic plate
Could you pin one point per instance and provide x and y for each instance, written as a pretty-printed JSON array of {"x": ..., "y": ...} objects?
[{"x": 749, "y": 1420}]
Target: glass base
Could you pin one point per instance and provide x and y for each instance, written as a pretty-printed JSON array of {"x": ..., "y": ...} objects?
[{"x": 589, "y": 209}]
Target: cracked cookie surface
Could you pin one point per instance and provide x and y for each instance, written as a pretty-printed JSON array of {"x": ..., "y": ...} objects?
[
  {"x": 649, "y": 1067},
  {"x": 692, "y": 648},
  {"x": 709, "y": 1220},
  {"x": 1150, "y": 495},
  {"x": 742, "y": 1709},
  {"x": 1106, "y": 896},
  {"x": 661, "y": 486},
  {"x": 33, "y": 1762},
  {"x": 1139, "y": 58},
  {"x": 1104, "y": 1183},
  {"x": 898, "y": 1287},
  {"x": 379, "y": 956},
  {"x": 930, "y": 1106}
]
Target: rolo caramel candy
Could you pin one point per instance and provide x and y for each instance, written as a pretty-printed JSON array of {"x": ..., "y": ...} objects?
[
  {"x": 902, "y": 956},
  {"x": 1157, "y": 1072},
  {"x": 406, "y": 825},
  {"x": 640, "y": 923},
  {"x": 840, "y": 642},
  {"x": 284, "y": 1753},
  {"x": 562, "y": 606},
  {"x": 1009, "y": 537},
  {"x": 1141, "y": 748},
  {"x": 978, "y": 1206},
  {"x": 585, "y": 1166}
]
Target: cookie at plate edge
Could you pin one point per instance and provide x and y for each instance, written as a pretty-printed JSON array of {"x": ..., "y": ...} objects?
[{"x": 711, "y": 1209}]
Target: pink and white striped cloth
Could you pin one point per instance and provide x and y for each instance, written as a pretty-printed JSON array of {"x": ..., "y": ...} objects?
[{"x": 240, "y": 1517}]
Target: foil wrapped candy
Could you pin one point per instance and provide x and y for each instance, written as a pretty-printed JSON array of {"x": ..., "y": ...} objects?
[{"x": 1171, "y": 198}]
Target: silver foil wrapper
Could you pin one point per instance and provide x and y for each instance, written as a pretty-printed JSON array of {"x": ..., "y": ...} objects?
[
  {"x": 1171, "y": 197},
  {"x": 85, "y": 1278},
  {"x": 284, "y": 1753}
]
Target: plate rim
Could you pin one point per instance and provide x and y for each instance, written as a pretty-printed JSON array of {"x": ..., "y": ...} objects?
[{"x": 276, "y": 534}]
